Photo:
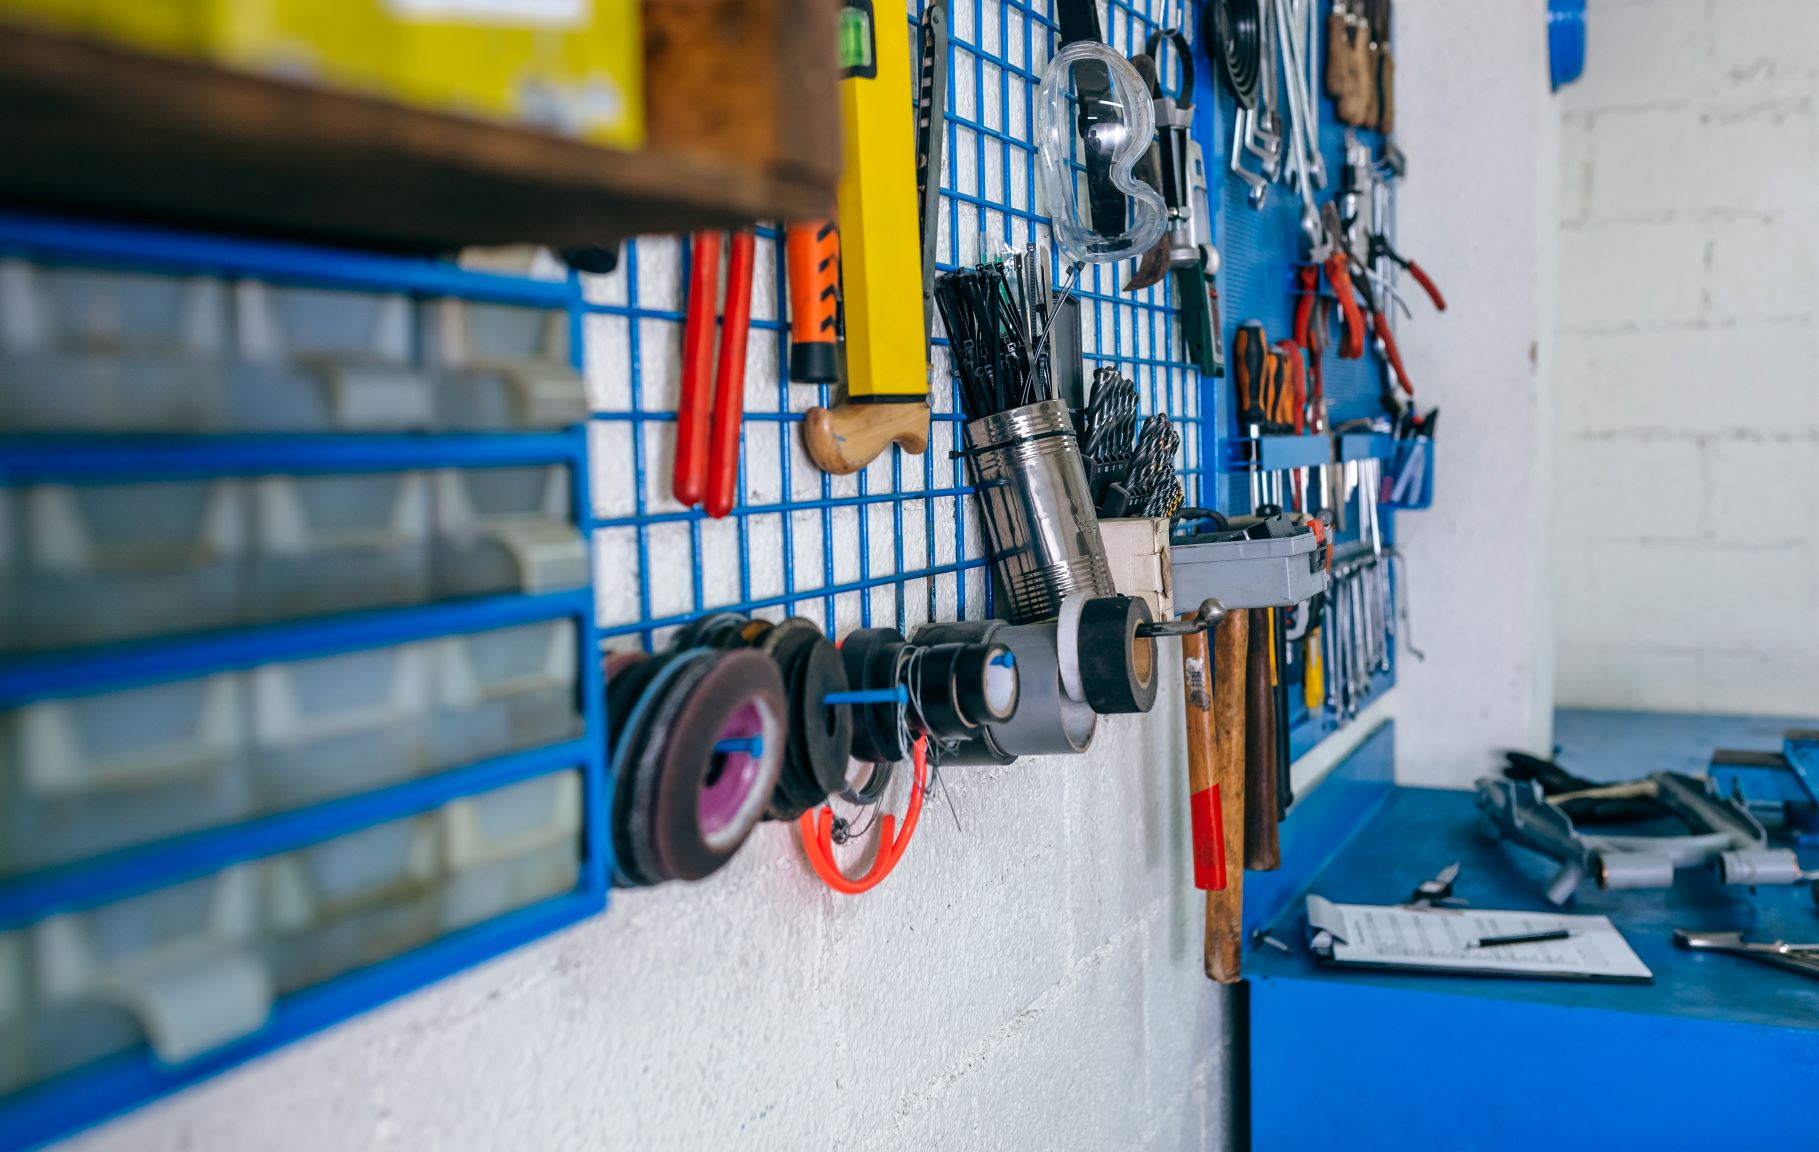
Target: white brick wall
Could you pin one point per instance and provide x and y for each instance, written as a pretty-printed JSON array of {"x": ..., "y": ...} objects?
[{"x": 1686, "y": 565}]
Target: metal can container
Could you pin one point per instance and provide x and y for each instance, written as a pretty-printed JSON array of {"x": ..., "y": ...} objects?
[{"x": 1038, "y": 508}]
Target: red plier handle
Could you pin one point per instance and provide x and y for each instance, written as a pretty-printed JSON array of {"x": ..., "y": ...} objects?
[
  {"x": 1351, "y": 336},
  {"x": 707, "y": 423},
  {"x": 1380, "y": 330},
  {"x": 1380, "y": 246}
]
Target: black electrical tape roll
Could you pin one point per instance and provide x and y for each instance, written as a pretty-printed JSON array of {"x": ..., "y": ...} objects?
[
  {"x": 934, "y": 690},
  {"x": 874, "y": 659},
  {"x": 796, "y": 789},
  {"x": 1117, "y": 666},
  {"x": 871, "y": 790},
  {"x": 708, "y": 802},
  {"x": 821, "y": 737},
  {"x": 963, "y": 685},
  {"x": 977, "y": 749},
  {"x": 715, "y": 630}
]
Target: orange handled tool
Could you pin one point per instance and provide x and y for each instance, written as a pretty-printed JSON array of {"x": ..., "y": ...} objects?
[
  {"x": 813, "y": 252},
  {"x": 707, "y": 423},
  {"x": 1351, "y": 336}
]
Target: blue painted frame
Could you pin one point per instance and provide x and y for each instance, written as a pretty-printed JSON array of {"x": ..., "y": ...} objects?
[{"x": 95, "y": 1093}]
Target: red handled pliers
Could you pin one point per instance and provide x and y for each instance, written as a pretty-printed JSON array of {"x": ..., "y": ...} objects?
[{"x": 707, "y": 458}]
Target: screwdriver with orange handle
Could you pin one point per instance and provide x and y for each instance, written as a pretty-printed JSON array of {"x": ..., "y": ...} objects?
[{"x": 813, "y": 253}]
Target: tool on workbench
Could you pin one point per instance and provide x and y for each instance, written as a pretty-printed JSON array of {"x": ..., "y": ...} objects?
[
  {"x": 1437, "y": 892},
  {"x": 1714, "y": 831},
  {"x": 886, "y": 341},
  {"x": 1801, "y": 958},
  {"x": 707, "y": 418}
]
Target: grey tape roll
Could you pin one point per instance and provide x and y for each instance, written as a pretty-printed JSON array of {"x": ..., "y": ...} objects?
[
  {"x": 1117, "y": 666},
  {"x": 1046, "y": 722}
]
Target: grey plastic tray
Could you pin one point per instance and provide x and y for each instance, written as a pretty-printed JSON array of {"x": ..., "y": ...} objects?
[{"x": 1250, "y": 573}]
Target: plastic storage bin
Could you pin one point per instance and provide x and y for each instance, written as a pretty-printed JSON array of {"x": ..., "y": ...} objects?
[
  {"x": 100, "y": 351},
  {"x": 92, "y": 774},
  {"x": 118, "y": 561},
  {"x": 511, "y": 848},
  {"x": 9, "y": 569},
  {"x": 338, "y": 543},
  {"x": 180, "y": 961},
  {"x": 504, "y": 691},
  {"x": 340, "y": 724},
  {"x": 351, "y": 901},
  {"x": 503, "y": 367},
  {"x": 314, "y": 360},
  {"x": 507, "y": 529}
]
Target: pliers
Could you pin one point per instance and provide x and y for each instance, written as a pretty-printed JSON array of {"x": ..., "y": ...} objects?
[
  {"x": 1381, "y": 249},
  {"x": 707, "y": 459}
]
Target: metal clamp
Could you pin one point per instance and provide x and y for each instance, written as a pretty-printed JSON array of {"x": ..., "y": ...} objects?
[{"x": 1201, "y": 619}]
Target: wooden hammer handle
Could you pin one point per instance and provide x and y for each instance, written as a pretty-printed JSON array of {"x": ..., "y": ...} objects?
[{"x": 1225, "y": 908}]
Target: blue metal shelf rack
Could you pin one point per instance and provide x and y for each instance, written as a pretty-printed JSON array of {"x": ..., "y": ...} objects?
[{"x": 87, "y": 1095}]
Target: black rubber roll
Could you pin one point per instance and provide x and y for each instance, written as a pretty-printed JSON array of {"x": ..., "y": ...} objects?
[
  {"x": 707, "y": 802},
  {"x": 869, "y": 789},
  {"x": 1234, "y": 39},
  {"x": 961, "y": 686},
  {"x": 874, "y": 659},
  {"x": 821, "y": 737},
  {"x": 1117, "y": 666},
  {"x": 715, "y": 630}
]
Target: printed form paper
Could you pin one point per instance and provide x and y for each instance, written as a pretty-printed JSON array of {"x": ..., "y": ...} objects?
[{"x": 1438, "y": 939}]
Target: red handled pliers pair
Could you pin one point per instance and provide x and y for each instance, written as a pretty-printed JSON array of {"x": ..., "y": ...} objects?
[{"x": 707, "y": 457}]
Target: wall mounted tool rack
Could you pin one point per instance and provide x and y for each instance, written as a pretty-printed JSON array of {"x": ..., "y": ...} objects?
[
  {"x": 897, "y": 543},
  {"x": 1260, "y": 249}
]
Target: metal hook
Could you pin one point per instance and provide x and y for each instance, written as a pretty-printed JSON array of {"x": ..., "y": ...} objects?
[{"x": 1208, "y": 614}]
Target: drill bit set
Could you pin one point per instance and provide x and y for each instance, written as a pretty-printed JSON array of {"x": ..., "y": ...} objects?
[{"x": 1133, "y": 472}]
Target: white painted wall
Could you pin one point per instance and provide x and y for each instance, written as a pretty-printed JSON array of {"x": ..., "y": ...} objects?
[
  {"x": 1030, "y": 979},
  {"x": 1687, "y": 534},
  {"x": 1473, "y": 115}
]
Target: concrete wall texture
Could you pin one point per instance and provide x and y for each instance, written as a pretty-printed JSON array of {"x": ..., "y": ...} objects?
[
  {"x": 1031, "y": 976},
  {"x": 1477, "y": 211},
  {"x": 1688, "y": 416}
]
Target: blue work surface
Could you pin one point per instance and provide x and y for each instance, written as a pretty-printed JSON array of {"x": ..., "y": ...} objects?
[{"x": 1715, "y": 1051}]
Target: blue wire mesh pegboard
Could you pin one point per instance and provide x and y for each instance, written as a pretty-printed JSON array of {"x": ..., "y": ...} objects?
[{"x": 900, "y": 542}]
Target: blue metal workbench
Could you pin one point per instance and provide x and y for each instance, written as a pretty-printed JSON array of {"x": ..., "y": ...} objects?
[{"x": 1717, "y": 1050}]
